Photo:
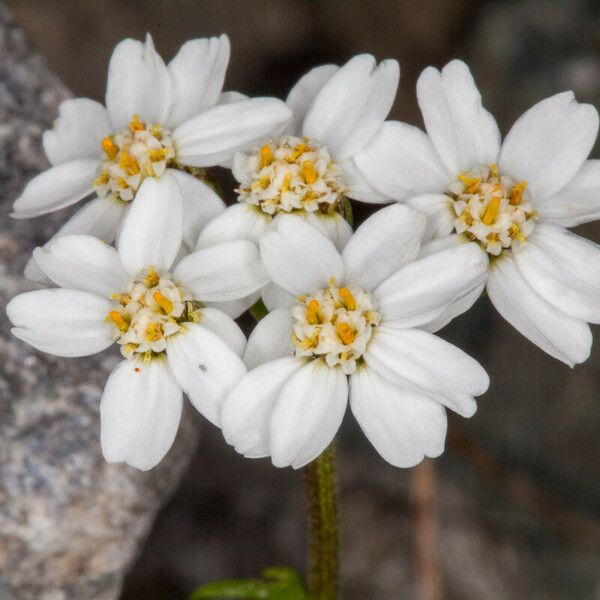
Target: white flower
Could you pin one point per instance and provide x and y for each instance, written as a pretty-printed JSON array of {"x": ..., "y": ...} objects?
[
  {"x": 310, "y": 169},
  {"x": 159, "y": 119},
  {"x": 514, "y": 199},
  {"x": 157, "y": 314},
  {"x": 355, "y": 325}
]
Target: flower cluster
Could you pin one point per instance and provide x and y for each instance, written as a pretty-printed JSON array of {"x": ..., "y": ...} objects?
[{"x": 156, "y": 264}]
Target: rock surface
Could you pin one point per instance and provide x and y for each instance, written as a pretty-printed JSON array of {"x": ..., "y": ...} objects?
[{"x": 70, "y": 524}]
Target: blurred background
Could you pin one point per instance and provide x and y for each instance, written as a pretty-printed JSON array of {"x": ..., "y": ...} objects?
[{"x": 512, "y": 510}]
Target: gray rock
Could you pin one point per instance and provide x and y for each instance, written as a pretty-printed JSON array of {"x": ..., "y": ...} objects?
[{"x": 70, "y": 524}]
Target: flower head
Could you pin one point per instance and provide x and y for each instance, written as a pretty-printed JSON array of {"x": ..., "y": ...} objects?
[
  {"x": 513, "y": 198},
  {"x": 356, "y": 325},
  {"x": 309, "y": 170},
  {"x": 160, "y": 121},
  {"x": 156, "y": 311}
]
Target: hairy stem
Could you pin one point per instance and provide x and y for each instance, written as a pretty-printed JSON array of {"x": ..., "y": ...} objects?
[{"x": 323, "y": 535}]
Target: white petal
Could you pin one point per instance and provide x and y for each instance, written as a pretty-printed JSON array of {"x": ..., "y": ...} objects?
[
  {"x": 61, "y": 322},
  {"x": 421, "y": 290},
  {"x": 445, "y": 243},
  {"x": 404, "y": 425},
  {"x": 241, "y": 221},
  {"x": 352, "y": 105},
  {"x": 224, "y": 272},
  {"x": 462, "y": 131},
  {"x": 100, "y": 217},
  {"x": 411, "y": 357},
  {"x": 235, "y": 308},
  {"x": 307, "y": 415},
  {"x": 439, "y": 211},
  {"x": 298, "y": 257},
  {"x": 231, "y": 97},
  {"x": 549, "y": 143},
  {"x": 153, "y": 230},
  {"x": 400, "y": 161},
  {"x": 358, "y": 187},
  {"x": 564, "y": 269},
  {"x": 248, "y": 407},
  {"x": 138, "y": 84},
  {"x": 455, "y": 309},
  {"x": 77, "y": 132},
  {"x": 334, "y": 226},
  {"x": 197, "y": 74},
  {"x": 387, "y": 240},
  {"x": 305, "y": 90},
  {"x": 225, "y": 327},
  {"x": 275, "y": 297},
  {"x": 200, "y": 204},
  {"x": 140, "y": 413},
  {"x": 218, "y": 133},
  {"x": 55, "y": 188},
  {"x": 82, "y": 262},
  {"x": 205, "y": 367},
  {"x": 578, "y": 202},
  {"x": 557, "y": 334},
  {"x": 270, "y": 339}
]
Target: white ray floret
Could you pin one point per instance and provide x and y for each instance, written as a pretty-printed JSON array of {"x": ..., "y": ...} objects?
[
  {"x": 160, "y": 121},
  {"x": 156, "y": 312},
  {"x": 513, "y": 198},
  {"x": 353, "y": 325}
]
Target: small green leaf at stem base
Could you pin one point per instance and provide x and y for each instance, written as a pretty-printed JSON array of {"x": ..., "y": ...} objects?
[{"x": 278, "y": 583}]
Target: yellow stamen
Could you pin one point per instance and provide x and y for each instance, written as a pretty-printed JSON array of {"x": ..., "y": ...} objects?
[
  {"x": 152, "y": 278},
  {"x": 154, "y": 332},
  {"x": 123, "y": 299},
  {"x": 285, "y": 186},
  {"x": 117, "y": 318},
  {"x": 129, "y": 164},
  {"x": 157, "y": 155},
  {"x": 345, "y": 333},
  {"x": 494, "y": 170},
  {"x": 135, "y": 124},
  {"x": 109, "y": 147},
  {"x": 311, "y": 342},
  {"x": 515, "y": 233},
  {"x": 348, "y": 298},
  {"x": 309, "y": 172},
  {"x": 312, "y": 312},
  {"x": 266, "y": 156},
  {"x": 516, "y": 194},
  {"x": 471, "y": 183},
  {"x": 491, "y": 212},
  {"x": 103, "y": 179},
  {"x": 163, "y": 302}
]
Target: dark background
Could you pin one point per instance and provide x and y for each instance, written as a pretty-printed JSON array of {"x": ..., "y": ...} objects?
[{"x": 512, "y": 510}]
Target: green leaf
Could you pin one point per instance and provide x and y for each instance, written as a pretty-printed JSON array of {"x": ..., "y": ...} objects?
[{"x": 278, "y": 583}]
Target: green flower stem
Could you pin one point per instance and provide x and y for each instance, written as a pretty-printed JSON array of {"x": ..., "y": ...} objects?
[{"x": 323, "y": 535}]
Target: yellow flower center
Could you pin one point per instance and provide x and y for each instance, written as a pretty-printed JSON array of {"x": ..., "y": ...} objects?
[
  {"x": 129, "y": 156},
  {"x": 149, "y": 310},
  {"x": 291, "y": 174},
  {"x": 334, "y": 324},
  {"x": 492, "y": 209}
]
